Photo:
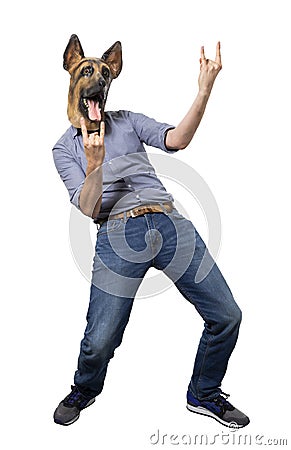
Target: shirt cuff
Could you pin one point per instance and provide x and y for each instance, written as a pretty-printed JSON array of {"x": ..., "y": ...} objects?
[
  {"x": 75, "y": 198},
  {"x": 166, "y": 149}
]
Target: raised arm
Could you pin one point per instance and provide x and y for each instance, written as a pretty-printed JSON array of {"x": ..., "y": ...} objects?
[
  {"x": 91, "y": 194},
  {"x": 181, "y": 136}
]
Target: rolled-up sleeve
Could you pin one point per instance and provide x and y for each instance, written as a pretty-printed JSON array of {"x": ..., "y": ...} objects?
[
  {"x": 70, "y": 172},
  {"x": 150, "y": 131}
]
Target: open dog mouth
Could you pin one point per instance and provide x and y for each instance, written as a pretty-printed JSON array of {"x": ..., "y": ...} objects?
[{"x": 93, "y": 106}]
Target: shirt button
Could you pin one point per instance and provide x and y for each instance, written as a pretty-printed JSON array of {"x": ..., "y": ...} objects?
[
  {"x": 137, "y": 196},
  {"x": 110, "y": 163},
  {"x": 129, "y": 185}
]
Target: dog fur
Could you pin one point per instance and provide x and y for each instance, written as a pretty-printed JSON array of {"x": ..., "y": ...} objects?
[{"x": 90, "y": 82}]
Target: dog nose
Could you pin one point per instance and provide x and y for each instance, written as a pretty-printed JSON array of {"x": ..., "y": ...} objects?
[{"x": 101, "y": 83}]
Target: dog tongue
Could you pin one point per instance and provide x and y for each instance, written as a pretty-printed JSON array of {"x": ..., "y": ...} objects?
[{"x": 94, "y": 110}]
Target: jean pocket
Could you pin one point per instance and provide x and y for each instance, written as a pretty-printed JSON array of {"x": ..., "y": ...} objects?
[{"x": 109, "y": 226}]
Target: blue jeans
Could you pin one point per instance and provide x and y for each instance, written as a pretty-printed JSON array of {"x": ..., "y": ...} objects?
[{"x": 125, "y": 250}]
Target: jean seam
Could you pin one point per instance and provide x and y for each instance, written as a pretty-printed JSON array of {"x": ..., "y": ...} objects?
[
  {"x": 155, "y": 227},
  {"x": 209, "y": 339},
  {"x": 114, "y": 227},
  {"x": 149, "y": 229}
]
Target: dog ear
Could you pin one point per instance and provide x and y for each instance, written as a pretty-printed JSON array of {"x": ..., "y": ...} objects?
[
  {"x": 113, "y": 57},
  {"x": 73, "y": 53}
]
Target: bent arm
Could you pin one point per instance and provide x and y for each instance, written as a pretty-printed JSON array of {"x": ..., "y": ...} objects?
[
  {"x": 181, "y": 136},
  {"x": 85, "y": 191},
  {"x": 91, "y": 194}
]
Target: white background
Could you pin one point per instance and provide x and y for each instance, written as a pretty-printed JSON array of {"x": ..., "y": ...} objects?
[{"x": 241, "y": 150}]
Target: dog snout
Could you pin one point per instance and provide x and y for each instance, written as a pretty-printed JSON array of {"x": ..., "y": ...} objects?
[
  {"x": 98, "y": 87},
  {"x": 101, "y": 83}
]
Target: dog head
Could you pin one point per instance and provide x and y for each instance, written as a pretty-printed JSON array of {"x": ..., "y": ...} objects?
[{"x": 90, "y": 82}]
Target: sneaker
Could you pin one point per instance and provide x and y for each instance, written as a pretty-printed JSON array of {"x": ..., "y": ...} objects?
[
  {"x": 69, "y": 409},
  {"x": 219, "y": 409}
]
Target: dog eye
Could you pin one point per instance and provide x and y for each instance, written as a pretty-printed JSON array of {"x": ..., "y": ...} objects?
[
  {"x": 87, "y": 71},
  {"x": 105, "y": 72}
]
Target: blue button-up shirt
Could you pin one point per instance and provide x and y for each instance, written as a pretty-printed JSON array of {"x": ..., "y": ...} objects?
[{"x": 129, "y": 179}]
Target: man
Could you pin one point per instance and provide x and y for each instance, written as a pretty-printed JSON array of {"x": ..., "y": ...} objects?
[{"x": 110, "y": 179}]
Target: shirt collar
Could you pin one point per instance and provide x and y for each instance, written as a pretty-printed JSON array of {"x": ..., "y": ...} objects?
[
  {"x": 75, "y": 131},
  {"x": 78, "y": 132}
]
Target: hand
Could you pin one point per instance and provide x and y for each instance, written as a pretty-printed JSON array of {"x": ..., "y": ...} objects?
[
  {"x": 93, "y": 146},
  {"x": 209, "y": 70}
]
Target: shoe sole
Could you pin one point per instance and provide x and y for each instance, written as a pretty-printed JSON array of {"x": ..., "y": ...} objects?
[
  {"x": 76, "y": 417},
  {"x": 205, "y": 412}
]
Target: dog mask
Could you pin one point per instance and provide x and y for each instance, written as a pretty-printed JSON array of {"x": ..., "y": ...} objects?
[{"x": 90, "y": 82}]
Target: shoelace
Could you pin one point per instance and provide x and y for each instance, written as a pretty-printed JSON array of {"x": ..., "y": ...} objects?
[
  {"x": 222, "y": 403},
  {"x": 75, "y": 398}
]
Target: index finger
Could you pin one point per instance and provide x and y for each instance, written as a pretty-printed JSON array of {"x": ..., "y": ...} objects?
[
  {"x": 202, "y": 54},
  {"x": 102, "y": 131},
  {"x": 83, "y": 128},
  {"x": 218, "y": 54}
]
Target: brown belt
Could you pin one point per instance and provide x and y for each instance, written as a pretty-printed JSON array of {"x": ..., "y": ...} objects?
[{"x": 139, "y": 211}]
